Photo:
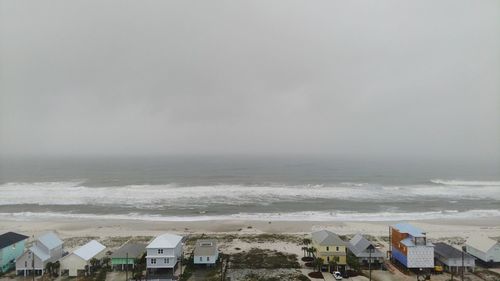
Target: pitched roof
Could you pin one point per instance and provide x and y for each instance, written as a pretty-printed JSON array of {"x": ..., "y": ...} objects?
[
  {"x": 358, "y": 246},
  {"x": 89, "y": 250},
  {"x": 165, "y": 241},
  {"x": 449, "y": 251},
  {"x": 50, "y": 240},
  {"x": 481, "y": 243},
  {"x": 134, "y": 250},
  {"x": 326, "y": 238},
  {"x": 410, "y": 229},
  {"x": 205, "y": 247},
  {"x": 10, "y": 238},
  {"x": 40, "y": 253}
]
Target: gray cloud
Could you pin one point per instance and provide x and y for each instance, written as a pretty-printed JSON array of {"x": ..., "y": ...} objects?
[{"x": 352, "y": 77}]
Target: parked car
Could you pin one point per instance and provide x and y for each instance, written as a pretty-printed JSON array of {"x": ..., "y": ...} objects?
[{"x": 337, "y": 275}]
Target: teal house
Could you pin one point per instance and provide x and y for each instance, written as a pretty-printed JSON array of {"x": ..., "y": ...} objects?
[
  {"x": 128, "y": 256},
  {"x": 11, "y": 247}
]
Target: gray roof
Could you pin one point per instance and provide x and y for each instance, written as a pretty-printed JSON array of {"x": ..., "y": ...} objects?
[
  {"x": 327, "y": 238},
  {"x": 10, "y": 238},
  {"x": 50, "y": 240},
  {"x": 89, "y": 250},
  {"x": 205, "y": 247},
  {"x": 134, "y": 250},
  {"x": 449, "y": 251},
  {"x": 481, "y": 243},
  {"x": 359, "y": 244}
]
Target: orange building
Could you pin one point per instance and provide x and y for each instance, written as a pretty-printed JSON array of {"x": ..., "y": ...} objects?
[{"x": 409, "y": 246}]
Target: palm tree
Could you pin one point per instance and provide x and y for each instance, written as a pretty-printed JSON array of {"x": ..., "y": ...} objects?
[
  {"x": 318, "y": 263},
  {"x": 55, "y": 267},
  {"x": 304, "y": 249},
  {"x": 312, "y": 250},
  {"x": 332, "y": 264},
  {"x": 49, "y": 268},
  {"x": 105, "y": 262},
  {"x": 306, "y": 241},
  {"x": 94, "y": 264}
]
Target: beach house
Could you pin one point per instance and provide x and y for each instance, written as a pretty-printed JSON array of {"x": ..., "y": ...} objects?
[
  {"x": 206, "y": 252},
  {"x": 128, "y": 255},
  {"x": 47, "y": 248},
  {"x": 363, "y": 249},
  {"x": 331, "y": 249},
  {"x": 483, "y": 248},
  {"x": 11, "y": 247},
  {"x": 76, "y": 263},
  {"x": 452, "y": 259},
  {"x": 163, "y": 255},
  {"x": 409, "y": 247}
]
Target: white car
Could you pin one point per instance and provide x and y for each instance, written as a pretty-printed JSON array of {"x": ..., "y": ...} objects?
[{"x": 337, "y": 275}]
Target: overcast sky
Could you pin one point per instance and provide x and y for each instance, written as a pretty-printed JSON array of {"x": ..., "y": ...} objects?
[{"x": 288, "y": 77}]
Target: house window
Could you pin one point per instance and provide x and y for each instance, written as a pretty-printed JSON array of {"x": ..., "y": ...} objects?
[
  {"x": 25, "y": 263},
  {"x": 327, "y": 248},
  {"x": 160, "y": 251},
  {"x": 165, "y": 261},
  {"x": 201, "y": 259},
  {"x": 153, "y": 261},
  {"x": 208, "y": 258},
  {"x": 337, "y": 249},
  {"x": 327, "y": 258}
]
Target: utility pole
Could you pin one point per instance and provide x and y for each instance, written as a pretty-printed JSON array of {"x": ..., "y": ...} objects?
[
  {"x": 126, "y": 267},
  {"x": 370, "y": 249},
  {"x": 33, "y": 264},
  {"x": 370, "y": 265},
  {"x": 463, "y": 253}
]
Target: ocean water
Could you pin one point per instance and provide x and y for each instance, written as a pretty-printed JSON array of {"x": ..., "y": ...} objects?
[{"x": 244, "y": 187}]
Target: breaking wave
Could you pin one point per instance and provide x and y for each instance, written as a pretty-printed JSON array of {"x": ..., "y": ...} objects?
[
  {"x": 159, "y": 196},
  {"x": 466, "y": 183}
]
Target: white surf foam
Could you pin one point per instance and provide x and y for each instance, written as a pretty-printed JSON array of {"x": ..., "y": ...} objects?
[
  {"x": 297, "y": 216},
  {"x": 466, "y": 183},
  {"x": 159, "y": 196}
]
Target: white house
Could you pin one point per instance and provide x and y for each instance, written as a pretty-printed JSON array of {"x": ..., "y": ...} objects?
[
  {"x": 76, "y": 262},
  {"x": 452, "y": 258},
  {"x": 483, "y": 248},
  {"x": 162, "y": 256},
  {"x": 206, "y": 252},
  {"x": 47, "y": 248}
]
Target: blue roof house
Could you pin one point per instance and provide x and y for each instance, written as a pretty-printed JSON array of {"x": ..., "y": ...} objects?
[{"x": 409, "y": 247}]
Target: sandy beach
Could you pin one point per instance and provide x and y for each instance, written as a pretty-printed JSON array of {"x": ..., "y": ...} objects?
[{"x": 436, "y": 229}]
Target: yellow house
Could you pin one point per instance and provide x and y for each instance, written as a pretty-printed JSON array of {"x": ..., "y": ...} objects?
[{"x": 329, "y": 247}]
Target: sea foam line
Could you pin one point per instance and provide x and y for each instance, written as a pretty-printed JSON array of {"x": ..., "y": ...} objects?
[
  {"x": 465, "y": 183},
  {"x": 293, "y": 216},
  {"x": 171, "y": 195}
]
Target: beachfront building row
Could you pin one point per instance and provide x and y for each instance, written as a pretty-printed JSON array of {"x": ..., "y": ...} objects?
[
  {"x": 365, "y": 251},
  {"x": 409, "y": 247},
  {"x": 484, "y": 248},
  {"x": 127, "y": 256},
  {"x": 453, "y": 259},
  {"x": 47, "y": 248},
  {"x": 331, "y": 249},
  {"x": 206, "y": 252},
  {"x": 163, "y": 256},
  {"x": 11, "y": 247},
  {"x": 78, "y": 262}
]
